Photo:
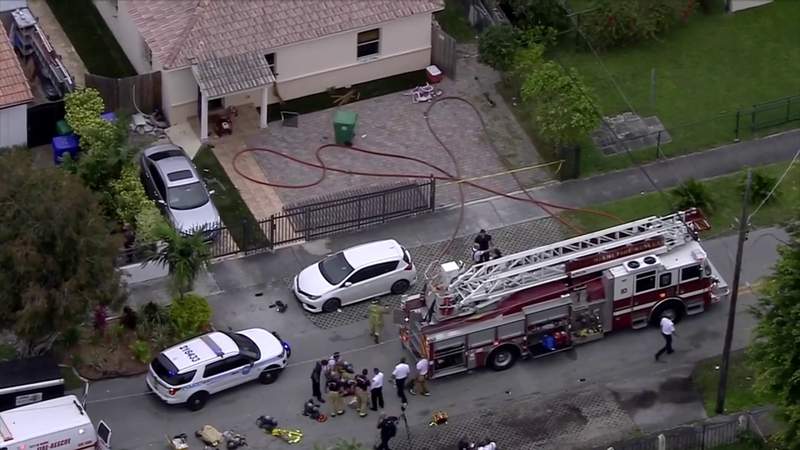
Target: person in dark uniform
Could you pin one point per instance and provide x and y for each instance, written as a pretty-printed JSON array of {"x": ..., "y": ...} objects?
[
  {"x": 316, "y": 376},
  {"x": 388, "y": 427},
  {"x": 483, "y": 241}
]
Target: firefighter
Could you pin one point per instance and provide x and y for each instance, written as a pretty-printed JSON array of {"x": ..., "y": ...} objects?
[
  {"x": 362, "y": 392},
  {"x": 376, "y": 312},
  {"x": 335, "y": 391}
]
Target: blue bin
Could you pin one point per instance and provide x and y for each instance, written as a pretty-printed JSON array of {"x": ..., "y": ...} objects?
[
  {"x": 109, "y": 117},
  {"x": 64, "y": 144}
]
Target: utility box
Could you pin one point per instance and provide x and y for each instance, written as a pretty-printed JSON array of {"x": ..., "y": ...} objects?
[
  {"x": 31, "y": 380},
  {"x": 344, "y": 126}
]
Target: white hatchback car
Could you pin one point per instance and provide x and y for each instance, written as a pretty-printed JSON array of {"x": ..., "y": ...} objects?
[
  {"x": 355, "y": 274},
  {"x": 193, "y": 370}
]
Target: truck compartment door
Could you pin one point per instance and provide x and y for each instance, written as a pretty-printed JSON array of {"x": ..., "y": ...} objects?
[{"x": 103, "y": 436}]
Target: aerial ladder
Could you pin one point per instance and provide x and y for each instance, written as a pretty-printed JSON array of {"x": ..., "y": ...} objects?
[{"x": 457, "y": 291}]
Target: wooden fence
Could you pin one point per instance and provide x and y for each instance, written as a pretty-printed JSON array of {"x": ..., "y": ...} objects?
[
  {"x": 443, "y": 51},
  {"x": 119, "y": 94}
]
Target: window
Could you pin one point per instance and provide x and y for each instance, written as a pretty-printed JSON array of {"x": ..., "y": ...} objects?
[
  {"x": 691, "y": 273},
  {"x": 157, "y": 181},
  {"x": 335, "y": 268},
  {"x": 215, "y": 104},
  {"x": 270, "y": 57},
  {"x": 187, "y": 196},
  {"x": 148, "y": 54},
  {"x": 168, "y": 373},
  {"x": 216, "y": 368},
  {"x": 645, "y": 282},
  {"x": 665, "y": 279},
  {"x": 368, "y": 43},
  {"x": 373, "y": 271}
]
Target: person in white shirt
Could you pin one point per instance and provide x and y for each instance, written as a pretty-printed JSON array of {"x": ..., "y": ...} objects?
[
  {"x": 667, "y": 330},
  {"x": 400, "y": 374},
  {"x": 421, "y": 381},
  {"x": 376, "y": 389}
]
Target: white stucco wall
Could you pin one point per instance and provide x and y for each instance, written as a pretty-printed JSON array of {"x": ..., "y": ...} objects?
[
  {"x": 313, "y": 66},
  {"x": 14, "y": 126},
  {"x": 119, "y": 22},
  {"x": 10, "y": 5}
]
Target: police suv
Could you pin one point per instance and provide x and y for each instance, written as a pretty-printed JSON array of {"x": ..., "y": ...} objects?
[{"x": 193, "y": 370}]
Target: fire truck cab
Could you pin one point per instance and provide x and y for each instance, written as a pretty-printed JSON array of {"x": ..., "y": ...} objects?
[{"x": 549, "y": 299}]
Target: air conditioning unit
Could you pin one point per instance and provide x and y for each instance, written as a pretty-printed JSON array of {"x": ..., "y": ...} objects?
[{"x": 651, "y": 260}]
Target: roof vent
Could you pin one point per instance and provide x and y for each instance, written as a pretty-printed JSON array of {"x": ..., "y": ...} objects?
[
  {"x": 633, "y": 264},
  {"x": 650, "y": 260}
]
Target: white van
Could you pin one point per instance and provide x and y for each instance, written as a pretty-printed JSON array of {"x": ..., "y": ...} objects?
[{"x": 61, "y": 423}]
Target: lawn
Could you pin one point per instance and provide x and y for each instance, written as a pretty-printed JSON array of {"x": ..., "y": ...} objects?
[
  {"x": 727, "y": 204},
  {"x": 232, "y": 209},
  {"x": 454, "y": 21},
  {"x": 739, "y": 395},
  {"x": 705, "y": 71},
  {"x": 91, "y": 38}
]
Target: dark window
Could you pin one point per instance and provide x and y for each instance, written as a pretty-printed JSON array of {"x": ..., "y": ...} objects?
[
  {"x": 270, "y": 57},
  {"x": 171, "y": 153},
  {"x": 691, "y": 273},
  {"x": 180, "y": 175},
  {"x": 157, "y": 181},
  {"x": 168, "y": 373},
  {"x": 187, "y": 196},
  {"x": 368, "y": 43},
  {"x": 665, "y": 279},
  {"x": 246, "y": 345},
  {"x": 216, "y": 368},
  {"x": 215, "y": 103},
  {"x": 147, "y": 53},
  {"x": 406, "y": 256},
  {"x": 373, "y": 271},
  {"x": 335, "y": 268},
  {"x": 645, "y": 282}
]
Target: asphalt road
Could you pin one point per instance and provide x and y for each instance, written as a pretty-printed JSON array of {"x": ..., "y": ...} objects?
[{"x": 621, "y": 363}]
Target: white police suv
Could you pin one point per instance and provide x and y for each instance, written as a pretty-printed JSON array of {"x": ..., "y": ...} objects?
[{"x": 193, "y": 370}]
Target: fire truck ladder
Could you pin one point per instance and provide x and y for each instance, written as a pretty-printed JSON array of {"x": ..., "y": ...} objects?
[{"x": 483, "y": 284}]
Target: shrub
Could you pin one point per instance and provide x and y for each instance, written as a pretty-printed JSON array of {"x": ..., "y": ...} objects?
[
  {"x": 148, "y": 223},
  {"x": 129, "y": 318},
  {"x": 83, "y": 108},
  {"x": 498, "y": 45},
  {"x": 190, "y": 315},
  {"x": 70, "y": 337},
  {"x": 548, "y": 13},
  {"x": 141, "y": 351},
  {"x": 692, "y": 193},
  {"x": 129, "y": 196},
  {"x": 7, "y": 352},
  {"x": 616, "y": 23},
  {"x": 760, "y": 187}
]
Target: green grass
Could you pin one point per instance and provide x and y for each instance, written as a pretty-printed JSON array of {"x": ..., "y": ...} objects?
[
  {"x": 705, "y": 71},
  {"x": 727, "y": 200},
  {"x": 91, "y": 38},
  {"x": 232, "y": 209},
  {"x": 739, "y": 395},
  {"x": 454, "y": 21},
  {"x": 7, "y": 352},
  {"x": 370, "y": 89}
]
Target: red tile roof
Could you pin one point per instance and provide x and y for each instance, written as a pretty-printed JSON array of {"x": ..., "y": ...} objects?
[
  {"x": 14, "y": 87},
  {"x": 178, "y": 31}
]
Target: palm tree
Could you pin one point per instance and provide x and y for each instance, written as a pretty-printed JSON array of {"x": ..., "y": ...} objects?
[{"x": 183, "y": 254}]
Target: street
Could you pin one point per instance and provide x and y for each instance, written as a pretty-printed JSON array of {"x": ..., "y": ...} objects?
[{"x": 618, "y": 370}]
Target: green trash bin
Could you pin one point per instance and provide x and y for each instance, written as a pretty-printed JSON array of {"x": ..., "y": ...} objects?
[
  {"x": 62, "y": 128},
  {"x": 344, "y": 126}
]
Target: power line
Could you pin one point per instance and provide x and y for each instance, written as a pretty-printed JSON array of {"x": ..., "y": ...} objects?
[{"x": 774, "y": 188}]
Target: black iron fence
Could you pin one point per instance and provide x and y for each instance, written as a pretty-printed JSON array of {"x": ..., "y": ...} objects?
[
  {"x": 345, "y": 211},
  {"x": 769, "y": 114}
]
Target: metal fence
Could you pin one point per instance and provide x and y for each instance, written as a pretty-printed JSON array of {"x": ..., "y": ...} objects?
[
  {"x": 443, "y": 51},
  {"x": 713, "y": 433},
  {"x": 484, "y": 13},
  {"x": 769, "y": 114}
]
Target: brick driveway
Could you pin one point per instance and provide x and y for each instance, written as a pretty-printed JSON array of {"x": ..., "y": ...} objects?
[{"x": 392, "y": 123}]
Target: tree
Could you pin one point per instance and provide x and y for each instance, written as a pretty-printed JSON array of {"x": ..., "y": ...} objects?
[
  {"x": 565, "y": 109},
  {"x": 692, "y": 193},
  {"x": 498, "y": 45},
  {"x": 775, "y": 351},
  {"x": 57, "y": 254},
  {"x": 526, "y": 61},
  {"x": 185, "y": 255},
  {"x": 760, "y": 187},
  {"x": 549, "y": 13}
]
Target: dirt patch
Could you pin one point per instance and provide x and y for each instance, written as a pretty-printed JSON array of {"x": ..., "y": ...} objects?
[{"x": 110, "y": 355}]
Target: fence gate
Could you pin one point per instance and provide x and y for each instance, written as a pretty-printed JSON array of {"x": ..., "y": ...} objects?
[
  {"x": 119, "y": 94},
  {"x": 443, "y": 51}
]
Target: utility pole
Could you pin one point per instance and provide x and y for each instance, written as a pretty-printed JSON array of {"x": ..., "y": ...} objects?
[{"x": 737, "y": 270}]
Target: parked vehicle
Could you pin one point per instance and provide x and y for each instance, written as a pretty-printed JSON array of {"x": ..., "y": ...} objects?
[
  {"x": 60, "y": 423},
  {"x": 548, "y": 299},
  {"x": 355, "y": 274},
  {"x": 171, "y": 180},
  {"x": 30, "y": 380},
  {"x": 191, "y": 371}
]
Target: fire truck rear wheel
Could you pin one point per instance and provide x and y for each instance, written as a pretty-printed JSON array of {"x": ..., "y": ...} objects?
[
  {"x": 503, "y": 358},
  {"x": 672, "y": 309}
]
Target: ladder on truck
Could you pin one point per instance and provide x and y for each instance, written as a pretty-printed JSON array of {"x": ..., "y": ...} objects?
[{"x": 483, "y": 284}]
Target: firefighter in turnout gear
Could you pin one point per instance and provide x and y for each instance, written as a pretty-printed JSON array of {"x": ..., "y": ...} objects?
[{"x": 376, "y": 313}]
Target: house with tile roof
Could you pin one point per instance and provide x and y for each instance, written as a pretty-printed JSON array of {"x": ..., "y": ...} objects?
[
  {"x": 15, "y": 94},
  {"x": 218, "y": 53}
]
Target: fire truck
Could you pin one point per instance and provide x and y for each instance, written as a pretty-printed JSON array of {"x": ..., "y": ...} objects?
[{"x": 549, "y": 299}]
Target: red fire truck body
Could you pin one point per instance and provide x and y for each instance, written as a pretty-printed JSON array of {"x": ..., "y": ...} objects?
[{"x": 549, "y": 299}]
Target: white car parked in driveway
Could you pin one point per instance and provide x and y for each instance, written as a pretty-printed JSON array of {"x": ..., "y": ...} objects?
[
  {"x": 193, "y": 370},
  {"x": 355, "y": 274}
]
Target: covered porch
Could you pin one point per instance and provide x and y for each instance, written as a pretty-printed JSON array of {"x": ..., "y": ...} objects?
[{"x": 225, "y": 77}]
